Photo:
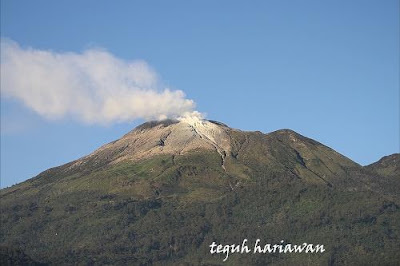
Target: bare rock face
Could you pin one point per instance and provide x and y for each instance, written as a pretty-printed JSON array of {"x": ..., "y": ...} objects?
[{"x": 165, "y": 137}]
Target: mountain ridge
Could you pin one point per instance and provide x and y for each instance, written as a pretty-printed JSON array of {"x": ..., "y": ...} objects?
[
  {"x": 165, "y": 190},
  {"x": 388, "y": 165}
]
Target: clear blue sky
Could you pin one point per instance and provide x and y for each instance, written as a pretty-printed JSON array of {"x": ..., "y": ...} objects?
[{"x": 326, "y": 69}]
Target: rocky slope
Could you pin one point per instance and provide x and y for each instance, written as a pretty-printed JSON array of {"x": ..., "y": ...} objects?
[{"x": 164, "y": 191}]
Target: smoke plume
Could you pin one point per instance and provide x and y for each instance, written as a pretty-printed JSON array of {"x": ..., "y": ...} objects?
[{"x": 93, "y": 86}]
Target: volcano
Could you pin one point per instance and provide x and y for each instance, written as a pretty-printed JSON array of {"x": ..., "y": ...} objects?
[{"x": 165, "y": 191}]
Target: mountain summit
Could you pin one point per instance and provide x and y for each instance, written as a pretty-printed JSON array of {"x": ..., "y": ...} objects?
[
  {"x": 171, "y": 137},
  {"x": 233, "y": 153},
  {"x": 166, "y": 190}
]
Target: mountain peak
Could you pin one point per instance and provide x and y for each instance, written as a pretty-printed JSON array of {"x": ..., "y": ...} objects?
[
  {"x": 387, "y": 166},
  {"x": 155, "y": 123},
  {"x": 193, "y": 121},
  {"x": 164, "y": 137}
]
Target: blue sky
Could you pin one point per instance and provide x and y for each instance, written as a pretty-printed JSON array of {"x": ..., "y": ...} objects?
[{"x": 326, "y": 69}]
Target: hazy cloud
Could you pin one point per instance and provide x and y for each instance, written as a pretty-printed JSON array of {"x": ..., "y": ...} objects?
[{"x": 93, "y": 86}]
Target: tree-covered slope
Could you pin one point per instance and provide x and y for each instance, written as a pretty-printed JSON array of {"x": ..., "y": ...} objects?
[{"x": 165, "y": 191}]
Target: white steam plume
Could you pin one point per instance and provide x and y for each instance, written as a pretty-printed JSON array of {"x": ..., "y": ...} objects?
[{"x": 93, "y": 87}]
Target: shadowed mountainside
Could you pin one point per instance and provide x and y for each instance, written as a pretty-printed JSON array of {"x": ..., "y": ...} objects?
[{"x": 166, "y": 190}]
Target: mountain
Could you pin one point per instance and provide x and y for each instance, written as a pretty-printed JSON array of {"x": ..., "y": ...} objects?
[
  {"x": 166, "y": 190},
  {"x": 388, "y": 166}
]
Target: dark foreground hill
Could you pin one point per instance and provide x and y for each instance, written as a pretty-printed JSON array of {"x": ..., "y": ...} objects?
[{"x": 167, "y": 190}]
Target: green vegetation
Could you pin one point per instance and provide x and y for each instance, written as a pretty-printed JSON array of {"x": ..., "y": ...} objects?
[
  {"x": 388, "y": 166},
  {"x": 168, "y": 209}
]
